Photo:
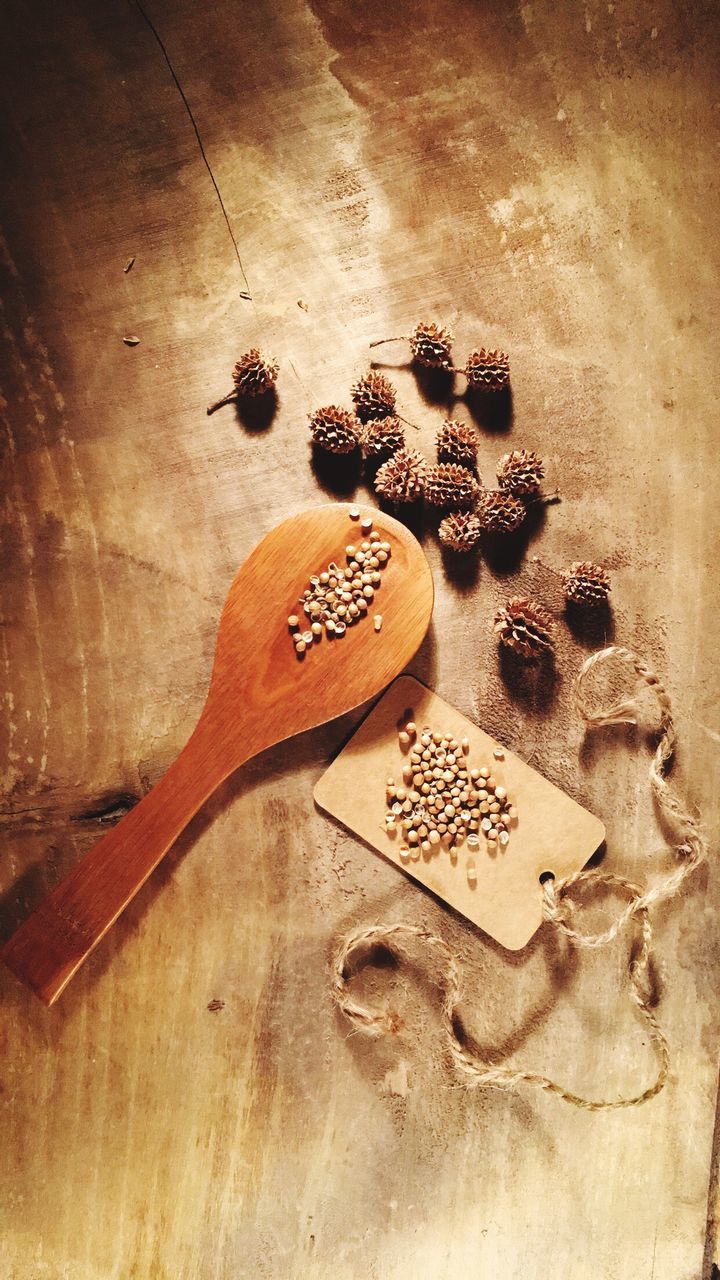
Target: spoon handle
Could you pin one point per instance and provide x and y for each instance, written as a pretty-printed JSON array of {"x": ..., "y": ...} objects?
[{"x": 49, "y": 947}]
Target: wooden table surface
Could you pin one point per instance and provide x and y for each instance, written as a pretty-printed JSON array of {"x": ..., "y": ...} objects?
[{"x": 541, "y": 177}]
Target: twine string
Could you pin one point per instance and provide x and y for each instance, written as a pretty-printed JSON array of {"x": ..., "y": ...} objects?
[{"x": 558, "y": 909}]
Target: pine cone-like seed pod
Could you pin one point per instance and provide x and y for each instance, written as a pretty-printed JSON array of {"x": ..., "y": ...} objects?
[
  {"x": 374, "y": 396},
  {"x": 500, "y": 512},
  {"x": 402, "y": 477},
  {"x": 448, "y": 485},
  {"x": 254, "y": 374},
  {"x": 487, "y": 370},
  {"x": 587, "y": 584},
  {"x": 430, "y": 345},
  {"x": 525, "y": 627},
  {"x": 457, "y": 442},
  {"x": 335, "y": 429},
  {"x": 381, "y": 438},
  {"x": 460, "y": 531},
  {"x": 520, "y": 472}
]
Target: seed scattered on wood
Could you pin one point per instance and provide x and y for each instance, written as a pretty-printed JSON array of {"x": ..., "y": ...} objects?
[
  {"x": 377, "y": 621},
  {"x": 131, "y": 340},
  {"x": 499, "y": 754},
  {"x": 354, "y": 513},
  {"x": 129, "y": 265}
]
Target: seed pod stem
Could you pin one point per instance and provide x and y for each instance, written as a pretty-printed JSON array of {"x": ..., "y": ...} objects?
[
  {"x": 549, "y": 567},
  {"x": 414, "y": 425},
  {"x": 381, "y": 341},
  {"x": 228, "y": 399}
]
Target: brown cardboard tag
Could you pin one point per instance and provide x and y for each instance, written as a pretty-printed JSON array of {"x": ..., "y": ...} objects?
[{"x": 552, "y": 833}]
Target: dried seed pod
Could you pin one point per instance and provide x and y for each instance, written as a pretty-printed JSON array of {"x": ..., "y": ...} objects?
[
  {"x": 487, "y": 370},
  {"x": 402, "y": 477},
  {"x": 448, "y": 485},
  {"x": 335, "y": 429},
  {"x": 520, "y": 472},
  {"x": 525, "y": 627},
  {"x": 500, "y": 512},
  {"x": 457, "y": 442},
  {"x": 431, "y": 346},
  {"x": 460, "y": 531},
  {"x": 381, "y": 438},
  {"x": 374, "y": 396},
  {"x": 253, "y": 375},
  {"x": 587, "y": 584}
]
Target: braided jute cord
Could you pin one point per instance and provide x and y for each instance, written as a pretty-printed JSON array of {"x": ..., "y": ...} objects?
[{"x": 557, "y": 907}]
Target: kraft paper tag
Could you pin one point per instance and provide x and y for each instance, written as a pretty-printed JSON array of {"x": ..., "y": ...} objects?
[{"x": 552, "y": 833}]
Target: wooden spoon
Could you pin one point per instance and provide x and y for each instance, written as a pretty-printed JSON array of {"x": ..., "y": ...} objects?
[{"x": 260, "y": 694}]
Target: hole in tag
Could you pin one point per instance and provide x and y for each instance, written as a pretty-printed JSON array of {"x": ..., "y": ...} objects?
[{"x": 546, "y": 875}]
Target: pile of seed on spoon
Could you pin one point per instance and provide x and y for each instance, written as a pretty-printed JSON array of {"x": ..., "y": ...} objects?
[
  {"x": 339, "y": 597},
  {"x": 442, "y": 803}
]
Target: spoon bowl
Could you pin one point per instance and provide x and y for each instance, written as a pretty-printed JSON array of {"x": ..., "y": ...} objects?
[{"x": 261, "y": 692}]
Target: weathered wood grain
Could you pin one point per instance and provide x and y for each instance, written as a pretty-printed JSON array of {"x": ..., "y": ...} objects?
[{"x": 542, "y": 178}]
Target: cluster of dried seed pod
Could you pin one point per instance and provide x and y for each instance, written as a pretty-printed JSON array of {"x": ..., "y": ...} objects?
[
  {"x": 527, "y": 628},
  {"x": 253, "y": 375},
  {"x": 339, "y": 597},
  {"x": 373, "y": 427},
  {"x": 442, "y": 803},
  {"x": 431, "y": 347},
  {"x": 404, "y": 477},
  {"x": 453, "y": 486}
]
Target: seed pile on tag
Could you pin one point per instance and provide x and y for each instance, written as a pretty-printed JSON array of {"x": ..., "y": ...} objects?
[
  {"x": 337, "y": 598},
  {"x": 442, "y": 803}
]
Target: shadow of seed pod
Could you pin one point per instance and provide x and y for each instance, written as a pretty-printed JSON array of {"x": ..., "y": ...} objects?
[
  {"x": 491, "y": 412},
  {"x": 256, "y": 413}
]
